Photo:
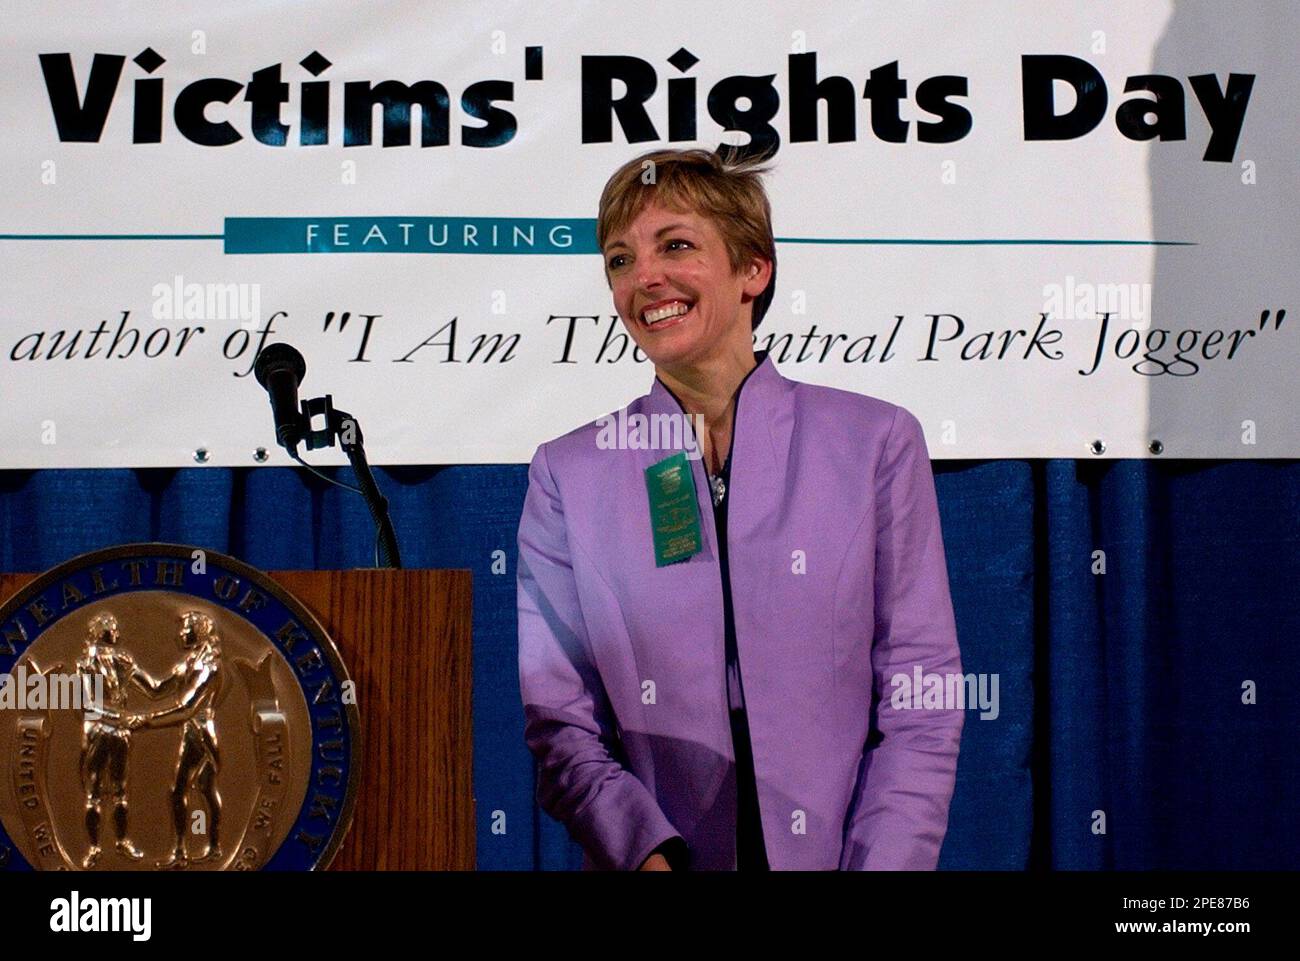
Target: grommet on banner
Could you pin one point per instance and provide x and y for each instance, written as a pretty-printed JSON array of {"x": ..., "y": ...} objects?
[
  {"x": 1156, "y": 447},
  {"x": 260, "y": 455},
  {"x": 201, "y": 455},
  {"x": 1097, "y": 447}
]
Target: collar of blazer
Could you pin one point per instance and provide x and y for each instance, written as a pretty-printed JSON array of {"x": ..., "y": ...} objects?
[{"x": 764, "y": 402}]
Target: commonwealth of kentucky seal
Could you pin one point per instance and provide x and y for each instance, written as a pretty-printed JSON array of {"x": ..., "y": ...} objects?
[{"x": 169, "y": 707}]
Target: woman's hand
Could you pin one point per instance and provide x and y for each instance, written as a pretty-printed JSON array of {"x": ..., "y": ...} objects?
[{"x": 655, "y": 862}]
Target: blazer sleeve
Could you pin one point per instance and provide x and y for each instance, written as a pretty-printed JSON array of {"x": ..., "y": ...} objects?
[
  {"x": 568, "y": 722},
  {"x": 899, "y": 814}
]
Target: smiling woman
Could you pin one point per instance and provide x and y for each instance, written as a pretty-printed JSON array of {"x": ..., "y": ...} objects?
[
  {"x": 691, "y": 262},
  {"x": 730, "y": 204},
  {"x": 804, "y": 545}
]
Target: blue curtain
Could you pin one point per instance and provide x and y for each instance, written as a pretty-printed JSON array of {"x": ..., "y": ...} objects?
[{"x": 1123, "y": 738}]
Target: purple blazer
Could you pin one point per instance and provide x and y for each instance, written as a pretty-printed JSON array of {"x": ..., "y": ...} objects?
[{"x": 838, "y": 583}]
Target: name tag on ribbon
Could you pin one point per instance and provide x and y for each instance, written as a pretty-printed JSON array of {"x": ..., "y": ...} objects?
[{"x": 674, "y": 509}]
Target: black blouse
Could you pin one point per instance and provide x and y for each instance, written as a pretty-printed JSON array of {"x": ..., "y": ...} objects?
[{"x": 751, "y": 853}]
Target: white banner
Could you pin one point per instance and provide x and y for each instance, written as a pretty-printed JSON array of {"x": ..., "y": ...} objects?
[{"x": 1049, "y": 229}]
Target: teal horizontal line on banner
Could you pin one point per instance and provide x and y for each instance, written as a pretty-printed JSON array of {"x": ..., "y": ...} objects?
[
  {"x": 110, "y": 236},
  {"x": 410, "y": 235},
  {"x": 988, "y": 241},
  {"x": 280, "y": 235}
]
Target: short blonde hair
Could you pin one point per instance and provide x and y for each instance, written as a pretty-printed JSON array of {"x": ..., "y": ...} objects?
[{"x": 728, "y": 192}]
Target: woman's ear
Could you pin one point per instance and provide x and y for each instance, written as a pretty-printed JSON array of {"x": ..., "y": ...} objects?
[{"x": 757, "y": 275}]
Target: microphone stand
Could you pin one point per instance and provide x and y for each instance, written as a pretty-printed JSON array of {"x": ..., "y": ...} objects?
[{"x": 341, "y": 425}]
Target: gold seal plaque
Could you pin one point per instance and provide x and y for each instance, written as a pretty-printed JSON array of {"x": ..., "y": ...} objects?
[{"x": 168, "y": 707}]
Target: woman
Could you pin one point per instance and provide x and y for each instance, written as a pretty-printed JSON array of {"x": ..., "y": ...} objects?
[{"x": 709, "y": 646}]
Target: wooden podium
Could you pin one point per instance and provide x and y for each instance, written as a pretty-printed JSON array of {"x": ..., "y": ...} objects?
[{"x": 405, "y": 638}]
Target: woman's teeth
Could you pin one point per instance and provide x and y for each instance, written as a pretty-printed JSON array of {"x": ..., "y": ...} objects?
[{"x": 666, "y": 312}]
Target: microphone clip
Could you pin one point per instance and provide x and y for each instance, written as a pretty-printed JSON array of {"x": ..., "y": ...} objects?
[{"x": 338, "y": 424}]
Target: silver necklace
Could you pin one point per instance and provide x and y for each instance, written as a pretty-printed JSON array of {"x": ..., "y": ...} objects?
[{"x": 719, "y": 488}]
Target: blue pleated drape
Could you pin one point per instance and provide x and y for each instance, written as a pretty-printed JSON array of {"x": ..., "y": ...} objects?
[{"x": 1122, "y": 741}]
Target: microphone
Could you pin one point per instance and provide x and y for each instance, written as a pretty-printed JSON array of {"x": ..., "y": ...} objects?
[{"x": 280, "y": 369}]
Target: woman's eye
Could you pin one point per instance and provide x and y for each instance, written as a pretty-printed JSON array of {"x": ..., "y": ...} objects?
[
  {"x": 616, "y": 261},
  {"x": 685, "y": 243}
]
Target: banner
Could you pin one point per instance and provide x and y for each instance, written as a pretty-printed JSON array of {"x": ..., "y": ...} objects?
[{"x": 1049, "y": 229}]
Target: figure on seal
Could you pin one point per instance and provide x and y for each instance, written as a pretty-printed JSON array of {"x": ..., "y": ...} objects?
[
  {"x": 198, "y": 760},
  {"x": 106, "y": 732}
]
